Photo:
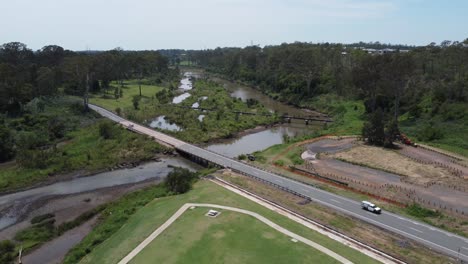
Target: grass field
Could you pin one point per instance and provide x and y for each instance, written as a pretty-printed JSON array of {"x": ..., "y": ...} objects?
[
  {"x": 148, "y": 218},
  {"x": 229, "y": 238},
  {"x": 129, "y": 90}
]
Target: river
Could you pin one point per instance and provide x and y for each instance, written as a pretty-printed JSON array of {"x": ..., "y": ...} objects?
[
  {"x": 16, "y": 203},
  {"x": 265, "y": 138}
]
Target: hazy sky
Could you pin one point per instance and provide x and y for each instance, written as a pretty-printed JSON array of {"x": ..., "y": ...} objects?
[{"x": 198, "y": 24}]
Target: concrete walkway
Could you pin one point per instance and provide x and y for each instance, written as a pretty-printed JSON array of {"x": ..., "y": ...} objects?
[{"x": 278, "y": 228}]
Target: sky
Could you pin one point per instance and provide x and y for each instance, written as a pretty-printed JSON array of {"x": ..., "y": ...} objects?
[{"x": 203, "y": 24}]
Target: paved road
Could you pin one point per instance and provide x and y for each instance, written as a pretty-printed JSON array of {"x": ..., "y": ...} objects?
[
  {"x": 432, "y": 237},
  {"x": 266, "y": 221}
]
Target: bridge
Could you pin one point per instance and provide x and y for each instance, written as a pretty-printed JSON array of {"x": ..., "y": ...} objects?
[{"x": 434, "y": 238}]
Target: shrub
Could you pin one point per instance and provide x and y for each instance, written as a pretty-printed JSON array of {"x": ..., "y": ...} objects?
[
  {"x": 7, "y": 250},
  {"x": 40, "y": 218},
  {"x": 421, "y": 212},
  {"x": 279, "y": 162},
  {"x": 180, "y": 180},
  {"x": 106, "y": 130}
]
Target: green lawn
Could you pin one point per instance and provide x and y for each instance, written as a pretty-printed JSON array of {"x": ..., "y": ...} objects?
[
  {"x": 148, "y": 218},
  {"x": 130, "y": 89},
  {"x": 230, "y": 238}
]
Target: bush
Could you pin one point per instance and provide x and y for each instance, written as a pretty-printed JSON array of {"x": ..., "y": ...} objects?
[
  {"x": 421, "y": 212},
  {"x": 430, "y": 133},
  {"x": 106, "y": 130},
  {"x": 6, "y": 144},
  {"x": 7, "y": 251},
  {"x": 279, "y": 162},
  {"x": 180, "y": 180},
  {"x": 40, "y": 218},
  {"x": 242, "y": 157},
  {"x": 136, "y": 101}
]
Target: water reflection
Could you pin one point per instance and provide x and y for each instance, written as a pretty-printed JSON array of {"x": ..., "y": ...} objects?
[
  {"x": 178, "y": 99},
  {"x": 254, "y": 142},
  {"x": 161, "y": 123}
]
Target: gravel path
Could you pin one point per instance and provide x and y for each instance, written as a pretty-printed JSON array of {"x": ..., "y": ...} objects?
[{"x": 179, "y": 212}]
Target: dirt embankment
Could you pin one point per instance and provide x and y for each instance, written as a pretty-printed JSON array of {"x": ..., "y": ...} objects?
[
  {"x": 391, "y": 161},
  {"x": 67, "y": 208}
]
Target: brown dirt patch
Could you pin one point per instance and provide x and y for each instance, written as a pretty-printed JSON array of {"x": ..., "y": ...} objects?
[{"x": 389, "y": 160}]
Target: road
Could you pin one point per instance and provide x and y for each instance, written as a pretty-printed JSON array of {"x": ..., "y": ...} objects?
[{"x": 434, "y": 238}]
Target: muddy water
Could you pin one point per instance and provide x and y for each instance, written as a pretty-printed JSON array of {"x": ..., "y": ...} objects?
[
  {"x": 245, "y": 92},
  {"x": 252, "y": 142},
  {"x": 16, "y": 203},
  {"x": 266, "y": 138}
]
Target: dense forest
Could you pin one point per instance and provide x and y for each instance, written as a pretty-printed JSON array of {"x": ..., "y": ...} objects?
[
  {"x": 37, "y": 111},
  {"x": 425, "y": 88},
  {"x": 26, "y": 74}
]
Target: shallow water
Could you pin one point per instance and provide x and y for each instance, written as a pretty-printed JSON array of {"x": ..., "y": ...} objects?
[
  {"x": 254, "y": 142},
  {"x": 161, "y": 123},
  {"x": 151, "y": 170},
  {"x": 178, "y": 99}
]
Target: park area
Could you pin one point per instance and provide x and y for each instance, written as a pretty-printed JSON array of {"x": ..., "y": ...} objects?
[{"x": 231, "y": 237}]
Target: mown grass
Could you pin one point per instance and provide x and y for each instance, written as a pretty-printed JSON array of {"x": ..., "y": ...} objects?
[
  {"x": 148, "y": 218},
  {"x": 129, "y": 90},
  {"x": 229, "y": 238}
]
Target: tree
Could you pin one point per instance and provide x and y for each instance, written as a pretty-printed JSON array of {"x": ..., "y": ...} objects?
[
  {"x": 136, "y": 101},
  {"x": 7, "y": 150},
  {"x": 373, "y": 129},
  {"x": 46, "y": 84},
  {"x": 180, "y": 180}
]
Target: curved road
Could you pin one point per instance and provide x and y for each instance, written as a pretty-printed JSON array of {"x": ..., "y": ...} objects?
[{"x": 434, "y": 238}]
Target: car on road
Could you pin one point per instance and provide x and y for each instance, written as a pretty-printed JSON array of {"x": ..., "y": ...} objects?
[{"x": 370, "y": 207}]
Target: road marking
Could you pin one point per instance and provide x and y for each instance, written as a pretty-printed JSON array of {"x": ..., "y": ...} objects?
[
  {"x": 416, "y": 230},
  {"x": 335, "y": 201}
]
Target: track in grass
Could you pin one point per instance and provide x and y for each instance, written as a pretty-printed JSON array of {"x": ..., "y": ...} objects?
[{"x": 145, "y": 251}]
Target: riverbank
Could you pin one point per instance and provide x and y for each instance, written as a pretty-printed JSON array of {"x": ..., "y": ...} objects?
[
  {"x": 61, "y": 142},
  {"x": 73, "y": 202}
]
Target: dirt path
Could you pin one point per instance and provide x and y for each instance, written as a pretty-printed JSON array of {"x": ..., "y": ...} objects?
[
  {"x": 278, "y": 228},
  {"x": 55, "y": 250}
]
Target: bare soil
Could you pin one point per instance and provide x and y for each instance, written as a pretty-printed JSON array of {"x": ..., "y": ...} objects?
[
  {"x": 392, "y": 161},
  {"x": 68, "y": 207}
]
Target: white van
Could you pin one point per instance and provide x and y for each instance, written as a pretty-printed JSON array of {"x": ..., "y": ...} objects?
[{"x": 370, "y": 207}]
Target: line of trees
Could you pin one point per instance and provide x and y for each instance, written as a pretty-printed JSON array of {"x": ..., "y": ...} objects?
[{"x": 26, "y": 74}]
